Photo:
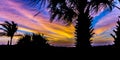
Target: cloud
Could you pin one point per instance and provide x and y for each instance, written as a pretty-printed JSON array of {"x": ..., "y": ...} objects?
[
  {"x": 104, "y": 28},
  {"x": 24, "y": 17},
  {"x": 57, "y": 33},
  {"x": 109, "y": 20}
]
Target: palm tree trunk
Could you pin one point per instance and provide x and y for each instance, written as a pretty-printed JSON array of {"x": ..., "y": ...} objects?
[
  {"x": 11, "y": 40},
  {"x": 83, "y": 31},
  {"x": 8, "y": 43}
]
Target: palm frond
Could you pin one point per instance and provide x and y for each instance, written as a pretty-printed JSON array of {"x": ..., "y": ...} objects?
[
  {"x": 96, "y": 4},
  {"x": 9, "y": 27},
  {"x": 116, "y": 35},
  {"x": 41, "y": 3},
  {"x": 3, "y": 29},
  {"x": 8, "y": 23},
  {"x": 113, "y": 36}
]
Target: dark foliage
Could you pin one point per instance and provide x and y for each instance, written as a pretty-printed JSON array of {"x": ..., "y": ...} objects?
[
  {"x": 116, "y": 36},
  {"x": 39, "y": 40},
  {"x": 34, "y": 40},
  {"x": 24, "y": 41},
  {"x": 9, "y": 28}
]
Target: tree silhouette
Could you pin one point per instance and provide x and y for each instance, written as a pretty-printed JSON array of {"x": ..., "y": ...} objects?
[
  {"x": 35, "y": 40},
  {"x": 9, "y": 28},
  {"x": 8, "y": 43},
  {"x": 79, "y": 10},
  {"x": 117, "y": 35},
  {"x": 24, "y": 41},
  {"x": 39, "y": 40}
]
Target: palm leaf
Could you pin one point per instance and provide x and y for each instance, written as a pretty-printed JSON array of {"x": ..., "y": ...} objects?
[
  {"x": 41, "y": 3},
  {"x": 113, "y": 36},
  {"x": 96, "y": 4},
  {"x": 3, "y": 29}
]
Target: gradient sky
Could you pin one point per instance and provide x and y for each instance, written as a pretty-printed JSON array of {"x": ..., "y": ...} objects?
[{"x": 57, "y": 33}]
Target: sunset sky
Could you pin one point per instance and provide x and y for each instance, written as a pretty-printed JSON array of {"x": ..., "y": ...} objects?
[{"x": 57, "y": 33}]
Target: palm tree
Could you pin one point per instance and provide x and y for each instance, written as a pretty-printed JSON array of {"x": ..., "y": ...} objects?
[
  {"x": 9, "y": 28},
  {"x": 116, "y": 36},
  {"x": 79, "y": 10}
]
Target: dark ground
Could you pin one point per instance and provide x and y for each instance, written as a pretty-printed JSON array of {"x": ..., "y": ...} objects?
[
  {"x": 60, "y": 51},
  {"x": 51, "y": 47}
]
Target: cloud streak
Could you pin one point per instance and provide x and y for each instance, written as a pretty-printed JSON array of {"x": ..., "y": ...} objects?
[
  {"x": 57, "y": 33},
  {"x": 40, "y": 24}
]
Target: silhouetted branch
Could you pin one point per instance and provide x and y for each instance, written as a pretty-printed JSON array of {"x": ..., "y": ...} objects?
[{"x": 113, "y": 36}]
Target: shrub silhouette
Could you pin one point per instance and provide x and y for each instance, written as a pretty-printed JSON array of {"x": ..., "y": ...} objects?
[
  {"x": 25, "y": 41},
  {"x": 33, "y": 40},
  {"x": 39, "y": 40}
]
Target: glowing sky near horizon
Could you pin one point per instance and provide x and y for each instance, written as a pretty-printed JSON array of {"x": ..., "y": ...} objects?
[{"x": 57, "y": 33}]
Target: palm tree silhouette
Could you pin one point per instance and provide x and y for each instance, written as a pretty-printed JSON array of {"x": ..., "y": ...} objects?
[
  {"x": 79, "y": 10},
  {"x": 116, "y": 36},
  {"x": 9, "y": 28}
]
